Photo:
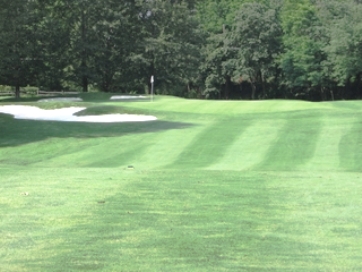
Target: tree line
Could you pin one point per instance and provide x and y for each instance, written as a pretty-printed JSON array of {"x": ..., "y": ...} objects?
[{"x": 221, "y": 49}]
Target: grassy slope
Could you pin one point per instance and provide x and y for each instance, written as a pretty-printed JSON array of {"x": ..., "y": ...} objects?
[{"x": 217, "y": 186}]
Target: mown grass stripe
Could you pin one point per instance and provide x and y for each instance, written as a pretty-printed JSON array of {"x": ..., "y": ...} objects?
[
  {"x": 193, "y": 218},
  {"x": 100, "y": 152},
  {"x": 350, "y": 148},
  {"x": 210, "y": 145},
  {"x": 250, "y": 147},
  {"x": 326, "y": 156},
  {"x": 295, "y": 145},
  {"x": 166, "y": 147}
]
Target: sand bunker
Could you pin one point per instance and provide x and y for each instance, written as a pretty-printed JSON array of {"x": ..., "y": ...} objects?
[
  {"x": 78, "y": 99},
  {"x": 67, "y": 115},
  {"x": 65, "y": 99},
  {"x": 120, "y": 97}
]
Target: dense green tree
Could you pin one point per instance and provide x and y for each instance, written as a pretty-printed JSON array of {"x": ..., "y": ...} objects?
[
  {"x": 53, "y": 42},
  {"x": 246, "y": 50},
  {"x": 81, "y": 17},
  {"x": 344, "y": 50},
  {"x": 217, "y": 67},
  {"x": 256, "y": 37},
  {"x": 171, "y": 44},
  {"x": 18, "y": 49},
  {"x": 217, "y": 15},
  {"x": 304, "y": 58},
  {"x": 117, "y": 35},
  {"x": 89, "y": 43},
  {"x": 307, "y": 49}
]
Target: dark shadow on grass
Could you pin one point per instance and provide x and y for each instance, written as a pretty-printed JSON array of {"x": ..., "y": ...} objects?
[
  {"x": 14, "y": 132},
  {"x": 210, "y": 145},
  {"x": 294, "y": 146},
  {"x": 350, "y": 148},
  {"x": 16, "y": 100},
  {"x": 177, "y": 221}
]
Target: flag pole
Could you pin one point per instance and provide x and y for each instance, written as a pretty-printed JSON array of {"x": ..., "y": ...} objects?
[{"x": 152, "y": 81}]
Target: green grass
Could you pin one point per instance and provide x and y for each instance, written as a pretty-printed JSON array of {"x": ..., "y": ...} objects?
[{"x": 216, "y": 186}]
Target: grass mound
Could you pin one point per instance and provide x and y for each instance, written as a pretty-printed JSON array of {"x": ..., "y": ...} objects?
[{"x": 108, "y": 109}]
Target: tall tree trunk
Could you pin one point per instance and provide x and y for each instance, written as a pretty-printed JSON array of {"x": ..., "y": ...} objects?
[
  {"x": 332, "y": 94},
  {"x": 84, "y": 53},
  {"x": 227, "y": 87},
  {"x": 17, "y": 91},
  {"x": 252, "y": 80},
  {"x": 253, "y": 90},
  {"x": 188, "y": 89},
  {"x": 358, "y": 85},
  {"x": 323, "y": 94},
  {"x": 17, "y": 84},
  {"x": 85, "y": 83},
  {"x": 260, "y": 79},
  {"x": 347, "y": 89}
]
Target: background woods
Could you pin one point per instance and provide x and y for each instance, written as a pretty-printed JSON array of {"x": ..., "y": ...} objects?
[{"x": 235, "y": 49}]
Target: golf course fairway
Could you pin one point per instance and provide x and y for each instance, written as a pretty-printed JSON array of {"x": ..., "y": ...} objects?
[{"x": 209, "y": 186}]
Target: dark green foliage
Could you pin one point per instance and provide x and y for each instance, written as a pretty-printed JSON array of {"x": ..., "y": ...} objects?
[
  {"x": 345, "y": 48},
  {"x": 17, "y": 44},
  {"x": 304, "y": 39},
  {"x": 216, "y": 66},
  {"x": 247, "y": 52},
  {"x": 170, "y": 49},
  {"x": 222, "y": 49},
  {"x": 256, "y": 38}
]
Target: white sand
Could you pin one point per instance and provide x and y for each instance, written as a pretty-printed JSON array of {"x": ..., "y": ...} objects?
[
  {"x": 78, "y": 99},
  {"x": 120, "y": 97},
  {"x": 67, "y": 115},
  {"x": 67, "y": 99}
]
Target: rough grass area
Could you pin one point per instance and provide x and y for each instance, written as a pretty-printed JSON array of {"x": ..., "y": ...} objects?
[{"x": 214, "y": 186}]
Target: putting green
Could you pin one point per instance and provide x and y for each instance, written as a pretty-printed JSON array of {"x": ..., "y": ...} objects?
[{"x": 214, "y": 186}]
